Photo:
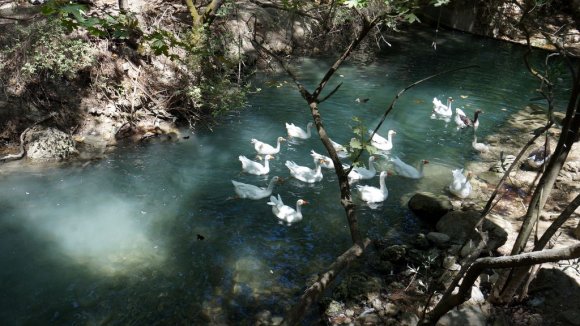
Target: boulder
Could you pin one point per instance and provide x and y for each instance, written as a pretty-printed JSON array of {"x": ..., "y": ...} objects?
[
  {"x": 421, "y": 242},
  {"x": 393, "y": 253},
  {"x": 439, "y": 239},
  {"x": 46, "y": 143},
  {"x": 460, "y": 227},
  {"x": 429, "y": 207}
]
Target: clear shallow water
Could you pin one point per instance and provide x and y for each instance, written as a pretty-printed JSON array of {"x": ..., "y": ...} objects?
[{"x": 117, "y": 241}]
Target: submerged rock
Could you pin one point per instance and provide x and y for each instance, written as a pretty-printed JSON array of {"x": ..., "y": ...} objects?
[
  {"x": 356, "y": 286},
  {"x": 421, "y": 242},
  {"x": 460, "y": 227},
  {"x": 393, "y": 253},
  {"x": 439, "y": 239},
  {"x": 430, "y": 207}
]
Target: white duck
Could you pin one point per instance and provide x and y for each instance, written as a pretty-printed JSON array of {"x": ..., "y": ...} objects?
[
  {"x": 340, "y": 150},
  {"x": 361, "y": 173},
  {"x": 244, "y": 190},
  {"x": 297, "y": 132},
  {"x": 460, "y": 187},
  {"x": 264, "y": 149},
  {"x": 284, "y": 212},
  {"x": 480, "y": 147},
  {"x": 461, "y": 119},
  {"x": 373, "y": 194},
  {"x": 304, "y": 173},
  {"x": 405, "y": 170},
  {"x": 324, "y": 160},
  {"x": 442, "y": 110},
  {"x": 256, "y": 168},
  {"x": 384, "y": 144}
]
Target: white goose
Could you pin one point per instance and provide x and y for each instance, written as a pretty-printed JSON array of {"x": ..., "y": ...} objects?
[
  {"x": 244, "y": 190},
  {"x": 256, "y": 168},
  {"x": 384, "y": 144},
  {"x": 286, "y": 213},
  {"x": 325, "y": 161},
  {"x": 297, "y": 132},
  {"x": 405, "y": 170},
  {"x": 304, "y": 173},
  {"x": 264, "y": 149},
  {"x": 461, "y": 119},
  {"x": 460, "y": 187},
  {"x": 340, "y": 150},
  {"x": 442, "y": 110},
  {"x": 361, "y": 173},
  {"x": 480, "y": 147},
  {"x": 373, "y": 194}
]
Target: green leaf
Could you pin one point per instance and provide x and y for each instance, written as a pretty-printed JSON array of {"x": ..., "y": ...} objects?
[
  {"x": 355, "y": 143},
  {"x": 371, "y": 149},
  {"x": 439, "y": 3},
  {"x": 356, "y": 3},
  {"x": 411, "y": 18}
]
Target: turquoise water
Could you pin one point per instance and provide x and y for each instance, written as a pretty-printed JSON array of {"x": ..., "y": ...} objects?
[{"x": 117, "y": 242}]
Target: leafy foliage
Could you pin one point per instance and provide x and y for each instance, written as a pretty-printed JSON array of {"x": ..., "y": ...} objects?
[
  {"x": 73, "y": 16},
  {"x": 207, "y": 86},
  {"x": 361, "y": 141},
  {"x": 43, "y": 49}
]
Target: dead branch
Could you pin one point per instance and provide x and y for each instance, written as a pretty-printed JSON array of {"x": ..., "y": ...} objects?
[
  {"x": 19, "y": 155},
  {"x": 525, "y": 259},
  {"x": 313, "y": 292}
]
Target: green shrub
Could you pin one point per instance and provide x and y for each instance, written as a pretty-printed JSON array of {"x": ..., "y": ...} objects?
[{"x": 43, "y": 49}]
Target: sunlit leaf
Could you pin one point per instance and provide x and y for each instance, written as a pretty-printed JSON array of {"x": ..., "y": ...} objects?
[
  {"x": 371, "y": 149},
  {"x": 355, "y": 143},
  {"x": 411, "y": 18}
]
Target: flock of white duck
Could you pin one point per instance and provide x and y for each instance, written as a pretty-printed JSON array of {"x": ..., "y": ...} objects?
[{"x": 460, "y": 186}]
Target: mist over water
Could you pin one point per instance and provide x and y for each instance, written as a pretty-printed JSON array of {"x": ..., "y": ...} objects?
[{"x": 118, "y": 241}]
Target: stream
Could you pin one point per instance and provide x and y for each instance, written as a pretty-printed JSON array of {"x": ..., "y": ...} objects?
[{"x": 150, "y": 234}]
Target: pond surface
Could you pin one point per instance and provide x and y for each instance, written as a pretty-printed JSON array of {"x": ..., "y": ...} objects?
[{"x": 119, "y": 241}]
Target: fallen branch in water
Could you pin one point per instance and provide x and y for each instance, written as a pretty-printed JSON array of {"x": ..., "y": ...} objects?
[{"x": 312, "y": 293}]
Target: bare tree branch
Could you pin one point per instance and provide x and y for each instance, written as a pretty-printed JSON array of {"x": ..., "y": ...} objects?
[
  {"x": 526, "y": 259},
  {"x": 313, "y": 292}
]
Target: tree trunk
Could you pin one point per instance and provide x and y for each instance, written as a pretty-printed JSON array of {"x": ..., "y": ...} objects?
[{"x": 123, "y": 5}]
